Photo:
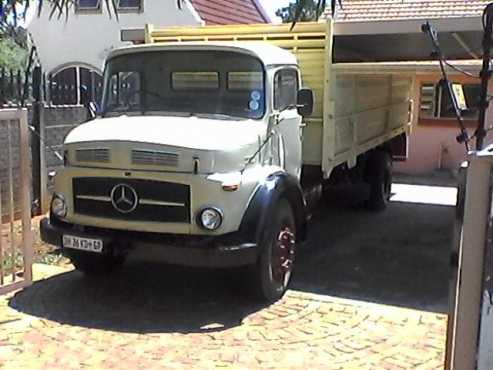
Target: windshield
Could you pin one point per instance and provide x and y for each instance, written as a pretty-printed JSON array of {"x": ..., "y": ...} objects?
[{"x": 219, "y": 83}]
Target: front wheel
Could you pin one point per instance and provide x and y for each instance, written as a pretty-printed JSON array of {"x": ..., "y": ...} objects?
[{"x": 270, "y": 276}]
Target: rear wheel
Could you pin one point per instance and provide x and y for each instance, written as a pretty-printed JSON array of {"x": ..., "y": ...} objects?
[
  {"x": 379, "y": 177},
  {"x": 95, "y": 264},
  {"x": 270, "y": 276}
]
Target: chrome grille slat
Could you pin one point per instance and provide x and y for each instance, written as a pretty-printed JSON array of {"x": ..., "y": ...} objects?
[
  {"x": 157, "y": 201},
  {"x": 100, "y": 155},
  {"x": 154, "y": 158}
]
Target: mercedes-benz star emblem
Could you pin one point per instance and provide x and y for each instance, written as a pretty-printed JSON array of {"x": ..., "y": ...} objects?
[{"x": 124, "y": 198}]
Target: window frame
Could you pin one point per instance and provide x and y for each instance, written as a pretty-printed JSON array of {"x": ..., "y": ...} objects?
[
  {"x": 94, "y": 10},
  {"x": 434, "y": 119},
  {"x": 274, "y": 85},
  {"x": 131, "y": 9}
]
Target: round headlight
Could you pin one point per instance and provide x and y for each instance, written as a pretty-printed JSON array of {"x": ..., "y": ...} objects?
[
  {"x": 211, "y": 218},
  {"x": 58, "y": 206}
]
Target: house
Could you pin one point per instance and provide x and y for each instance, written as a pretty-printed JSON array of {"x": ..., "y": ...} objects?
[
  {"x": 72, "y": 49},
  {"x": 432, "y": 144}
]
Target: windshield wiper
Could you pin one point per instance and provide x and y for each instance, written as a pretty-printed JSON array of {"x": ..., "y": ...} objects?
[
  {"x": 170, "y": 113},
  {"x": 144, "y": 112}
]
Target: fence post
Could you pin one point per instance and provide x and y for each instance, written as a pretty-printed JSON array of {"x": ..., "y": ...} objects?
[
  {"x": 18, "y": 86},
  {"x": 40, "y": 181},
  {"x": 11, "y": 85},
  {"x": 3, "y": 95}
]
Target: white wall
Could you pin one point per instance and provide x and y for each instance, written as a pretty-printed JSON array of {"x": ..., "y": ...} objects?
[{"x": 88, "y": 38}]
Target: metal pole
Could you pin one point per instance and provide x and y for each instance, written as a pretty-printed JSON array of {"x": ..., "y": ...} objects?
[
  {"x": 36, "y": 144},
  {"x": 446, "y": 84},
  {"x": 485, "y": 75},
  {"x": 1, "y": 240}
]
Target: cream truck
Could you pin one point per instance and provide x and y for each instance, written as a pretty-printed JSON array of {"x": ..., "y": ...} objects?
[{"x": 211, "y": 144}]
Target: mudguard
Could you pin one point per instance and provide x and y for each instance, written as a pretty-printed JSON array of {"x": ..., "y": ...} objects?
[{"x": 278, "y": 185}]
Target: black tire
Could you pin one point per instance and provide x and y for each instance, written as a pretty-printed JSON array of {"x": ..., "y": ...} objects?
[
  {"x": 95, "y": 264},
  {"x": 379, "y": 177},
  {"x": 269, "y": 278}
]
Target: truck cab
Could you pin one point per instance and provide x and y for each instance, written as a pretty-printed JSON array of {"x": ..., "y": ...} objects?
[{"x": 196, "y": 152}]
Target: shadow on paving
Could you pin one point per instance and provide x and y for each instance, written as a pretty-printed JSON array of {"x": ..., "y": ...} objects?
[
  {"x": 398, "y": 257},
  {"x": 143, "y": 297}
]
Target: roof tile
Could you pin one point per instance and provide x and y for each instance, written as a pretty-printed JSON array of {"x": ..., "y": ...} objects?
[
  {"x": 230, "y": 11},
  {"x": 380, "y": 10}
]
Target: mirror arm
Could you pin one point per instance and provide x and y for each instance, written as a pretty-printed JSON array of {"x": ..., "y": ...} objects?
[{"x": 292, "y": 106}]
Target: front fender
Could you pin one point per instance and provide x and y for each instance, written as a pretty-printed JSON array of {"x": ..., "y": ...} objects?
[{"x": 276, "y": 186}]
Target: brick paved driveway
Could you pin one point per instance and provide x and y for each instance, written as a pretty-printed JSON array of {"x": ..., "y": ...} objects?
[{"x": 154, "y": 316}]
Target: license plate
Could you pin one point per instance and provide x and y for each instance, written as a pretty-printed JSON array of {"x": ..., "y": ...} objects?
[{"x": 83, "y": 244}]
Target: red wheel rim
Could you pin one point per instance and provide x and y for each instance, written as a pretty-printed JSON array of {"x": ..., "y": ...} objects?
[{"x": 283, "y": 251}]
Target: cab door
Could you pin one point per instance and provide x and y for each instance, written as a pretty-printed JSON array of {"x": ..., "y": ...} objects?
[{"x": 289, "y": 122}]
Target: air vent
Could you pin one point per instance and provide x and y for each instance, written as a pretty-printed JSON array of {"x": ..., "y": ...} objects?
[
  {"x": 92, "y": 155},
  {"x": 154, "y": 158}
]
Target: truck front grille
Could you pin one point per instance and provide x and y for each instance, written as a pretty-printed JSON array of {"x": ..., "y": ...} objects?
[{"x": 155, "y": 201}]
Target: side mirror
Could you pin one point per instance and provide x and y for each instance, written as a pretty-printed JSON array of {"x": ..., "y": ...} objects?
[{"x": 305, "y": 102}]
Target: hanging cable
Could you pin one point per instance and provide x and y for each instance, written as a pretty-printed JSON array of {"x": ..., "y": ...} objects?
[
  {"x": 460, "y": 70},
  {"x": 463, "y": 137}
]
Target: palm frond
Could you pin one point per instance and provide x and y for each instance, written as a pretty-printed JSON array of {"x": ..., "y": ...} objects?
[
  {"x": 40, "y": 7},
  {"x": 26, "y": 8}
]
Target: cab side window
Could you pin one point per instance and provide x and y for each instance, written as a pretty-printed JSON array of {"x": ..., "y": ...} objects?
[{"x": 285, "y": 88}]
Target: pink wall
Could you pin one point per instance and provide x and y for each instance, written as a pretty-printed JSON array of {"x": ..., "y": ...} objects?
[
  {"x": 432, "y": 148},
  {"x": 432, "y": 144}
]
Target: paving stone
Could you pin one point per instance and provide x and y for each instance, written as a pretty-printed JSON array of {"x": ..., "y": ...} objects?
[{"x": 303, "y": 331}]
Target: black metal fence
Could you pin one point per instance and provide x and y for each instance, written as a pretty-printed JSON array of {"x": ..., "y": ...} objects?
[
  {"x": 52, "y": 113},
  {"x": 11, "y": 87},
  {"x": 62, "y": 88}
]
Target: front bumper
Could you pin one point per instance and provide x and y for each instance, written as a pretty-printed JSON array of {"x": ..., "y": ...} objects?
[{"x": 228, "y": 250}]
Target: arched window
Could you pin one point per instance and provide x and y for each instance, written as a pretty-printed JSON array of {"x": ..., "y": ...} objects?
[{"x": 65, "y": 85}]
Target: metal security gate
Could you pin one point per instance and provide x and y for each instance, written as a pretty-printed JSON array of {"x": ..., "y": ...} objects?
[{"x": 16, "y": 242}]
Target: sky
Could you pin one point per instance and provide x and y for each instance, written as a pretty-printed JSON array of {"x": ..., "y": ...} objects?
[{"x": 272, "y": 5}]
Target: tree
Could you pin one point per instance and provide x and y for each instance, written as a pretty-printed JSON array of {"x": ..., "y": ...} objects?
[
  {"x": 12, "y": 56},
  {"x": 309, "y": 12}
]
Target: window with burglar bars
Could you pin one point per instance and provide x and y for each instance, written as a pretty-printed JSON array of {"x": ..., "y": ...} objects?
[
  {"x": 65, "y": 85},
  {"x": 436, "y": 102}
]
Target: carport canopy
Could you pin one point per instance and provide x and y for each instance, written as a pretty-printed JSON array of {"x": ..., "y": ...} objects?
[
  {"x": 392, "y": 40},
  {"x": 403, "y": 40}
]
